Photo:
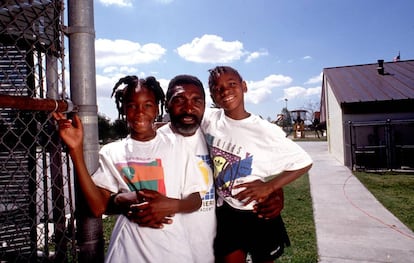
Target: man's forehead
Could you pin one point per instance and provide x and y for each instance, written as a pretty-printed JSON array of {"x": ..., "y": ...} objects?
[
  {"x": 179, "y": 89},
  {"x": 186, "y": 89}
]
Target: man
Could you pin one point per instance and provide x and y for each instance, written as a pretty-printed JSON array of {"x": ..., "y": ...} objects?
[{"x": 185, "y": 103}]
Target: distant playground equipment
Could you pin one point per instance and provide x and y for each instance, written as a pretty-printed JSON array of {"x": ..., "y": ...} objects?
[
  {"x": 299, "y": 117},
  {"x": 318, "y": 126}
]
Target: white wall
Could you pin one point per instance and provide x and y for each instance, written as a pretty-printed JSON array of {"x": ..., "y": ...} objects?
[{"x": 334, "y": 122}]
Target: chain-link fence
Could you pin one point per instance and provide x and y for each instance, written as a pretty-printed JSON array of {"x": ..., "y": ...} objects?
[{"x": 36, "y": 183}]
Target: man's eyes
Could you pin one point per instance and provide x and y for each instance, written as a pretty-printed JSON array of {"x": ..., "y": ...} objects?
[
  {"x": 181, "y": 101},
  {"x": 178, "y": 101}
]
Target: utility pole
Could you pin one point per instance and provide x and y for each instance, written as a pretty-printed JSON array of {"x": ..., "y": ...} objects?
[{"x": 81, "y": 33}]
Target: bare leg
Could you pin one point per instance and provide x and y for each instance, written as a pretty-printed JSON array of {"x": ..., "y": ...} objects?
[{"x": 238, "y": 256}]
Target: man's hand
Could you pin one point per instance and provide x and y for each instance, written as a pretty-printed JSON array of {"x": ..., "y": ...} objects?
[
  {"x": 271, "y": 207},
  {"x": 155, "y": 210}
]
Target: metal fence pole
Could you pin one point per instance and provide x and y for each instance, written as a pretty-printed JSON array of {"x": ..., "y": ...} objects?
[
  {"x": 56, "y": 172},
  {"x": 83, "y": 93}
]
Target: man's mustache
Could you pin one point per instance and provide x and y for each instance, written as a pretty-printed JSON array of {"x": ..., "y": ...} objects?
[{"x": 188, "y": 116}]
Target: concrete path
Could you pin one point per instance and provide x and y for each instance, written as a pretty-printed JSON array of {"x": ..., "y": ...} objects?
[{"x": 351, "y": 225}]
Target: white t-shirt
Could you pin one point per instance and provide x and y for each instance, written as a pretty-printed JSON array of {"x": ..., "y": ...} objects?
[
  {"x": 201, "y": 224},
  {"x": 246, "y": 150},
  {"x": 162, "y": 164}
]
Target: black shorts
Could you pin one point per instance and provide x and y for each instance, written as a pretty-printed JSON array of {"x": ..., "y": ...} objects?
[{"x": 264, "y": 239}]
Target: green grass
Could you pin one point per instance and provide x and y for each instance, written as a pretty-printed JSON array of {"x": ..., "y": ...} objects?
[
  {"x": 298, "y": 217},
  {"x": 108, "y": 224},
  {"x": 394, "y": 191}
]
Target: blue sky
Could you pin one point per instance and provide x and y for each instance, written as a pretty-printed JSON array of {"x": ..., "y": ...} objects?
[{"x": 280, "y": 47}]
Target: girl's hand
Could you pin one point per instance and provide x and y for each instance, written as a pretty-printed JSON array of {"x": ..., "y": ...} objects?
[
  {"x": 70, "y": 131},
  {"x": 254, "y": 191}
]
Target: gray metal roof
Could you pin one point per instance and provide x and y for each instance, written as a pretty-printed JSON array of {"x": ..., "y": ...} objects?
[{"x": 364, "y": 83}]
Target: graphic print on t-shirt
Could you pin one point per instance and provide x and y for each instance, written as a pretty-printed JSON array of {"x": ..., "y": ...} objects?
[
  {"x": 227, "y": 168},
  {"x": 143, "y": 175},
  {"x": 208, "y": 200}
]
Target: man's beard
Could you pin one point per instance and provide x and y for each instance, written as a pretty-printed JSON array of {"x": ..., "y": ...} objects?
[{"x": 183, "y": 128}]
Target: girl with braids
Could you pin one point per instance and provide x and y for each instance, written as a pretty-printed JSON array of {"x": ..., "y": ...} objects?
[
  {"x": 148, "y": 165},
  {"x": 252, "y": 159},
  {"x": 119, "y": 94}
]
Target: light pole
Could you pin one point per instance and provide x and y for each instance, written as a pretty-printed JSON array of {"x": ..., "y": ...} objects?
[{"x": 286, "y": 100}]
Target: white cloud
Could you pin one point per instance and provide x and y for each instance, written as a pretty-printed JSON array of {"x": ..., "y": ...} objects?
[
  {"x": 112, "y": 70},
  {"x": 255, "y": 55},
  {"x": 121, "y": 3},
  {"x": 293, "y": 92},
  {"x": 126, "y": 53},
  {"x": 211, "y": 49},
  {"x": 300, "y": 92},
  {"x": 313, "y": 91},
  {"x": 258, "y": 91},
  {"x": 315, "y": 79},
  {"x": 257, "y": 96},
  {"x": 307, "y": 57},
  {"x": 105, "y": 84}
]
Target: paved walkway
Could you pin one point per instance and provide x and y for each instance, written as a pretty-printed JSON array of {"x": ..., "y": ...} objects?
[{"x": 351, "y": 225}]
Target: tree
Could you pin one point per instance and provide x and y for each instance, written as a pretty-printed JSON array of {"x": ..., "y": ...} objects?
[
  {"x": 104, "y": 129},
  {"x": 119, "y": 129},
  {"x": 287, "y": 119},
  {"x": 111, "y": 131},
  {"x": 284, "y": 120}
]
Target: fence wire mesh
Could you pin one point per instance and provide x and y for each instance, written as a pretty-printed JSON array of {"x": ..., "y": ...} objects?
[
  {"x": 36, "y": 182},
  {"x": 380, "y": 145}
]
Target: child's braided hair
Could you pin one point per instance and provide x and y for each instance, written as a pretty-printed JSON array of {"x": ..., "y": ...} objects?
[
  {"x": 132, "y": 82},
  {"x": 217, "y": 71}
]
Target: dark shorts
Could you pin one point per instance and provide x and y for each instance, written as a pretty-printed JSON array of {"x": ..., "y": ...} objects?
[{"x": 264, "y": 239}]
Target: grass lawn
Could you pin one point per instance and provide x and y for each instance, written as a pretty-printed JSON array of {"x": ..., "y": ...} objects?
[
  {"x": 394, "y": 191},
  {"x": 298, "y": 217}
]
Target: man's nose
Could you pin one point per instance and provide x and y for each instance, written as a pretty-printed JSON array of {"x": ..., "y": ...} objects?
[{"x": 189, "y": 107}]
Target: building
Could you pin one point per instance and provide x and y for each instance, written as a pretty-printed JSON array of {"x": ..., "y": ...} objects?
[{"x": 369, "y": 113}]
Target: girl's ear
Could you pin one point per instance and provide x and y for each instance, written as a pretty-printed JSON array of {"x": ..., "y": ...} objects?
[{"x": 244, "y": 86}]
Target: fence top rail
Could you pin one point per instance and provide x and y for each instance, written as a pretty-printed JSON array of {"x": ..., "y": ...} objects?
[
  {"x": 373, "y": 123},
  {"x": 35, "y": 104}
]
